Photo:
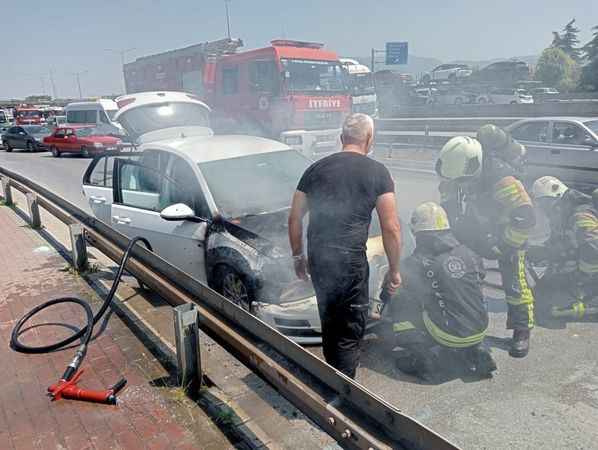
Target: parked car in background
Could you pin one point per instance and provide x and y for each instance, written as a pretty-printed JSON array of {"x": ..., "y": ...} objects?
[
  {"x": 449, "y": 72},
  {"x": 564, "y": 147},
  {"x": 54, "y": 122},
  {"x": 99, "y": 113},
  {"x": 544, "y": 91},
  {"x": 27, "y": 137},
  {"x": 506, "y": 96},
  {"x": 453, "y": 97},
  {"x": 503, "y": 73},
  {"x": 83, "y": 140}
]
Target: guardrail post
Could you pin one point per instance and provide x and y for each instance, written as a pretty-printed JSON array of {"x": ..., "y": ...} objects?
[
  {"x": 79, "y": 247},
  {"x": 6, "y": 191},
  {"x": 34, "y": 217},
  {"x": 186, "y": 332}
]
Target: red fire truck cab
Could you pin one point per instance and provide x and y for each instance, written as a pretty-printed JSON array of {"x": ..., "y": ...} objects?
[
  {"x": 293, "y": 91},
  {"x": 29, "y": 116}
]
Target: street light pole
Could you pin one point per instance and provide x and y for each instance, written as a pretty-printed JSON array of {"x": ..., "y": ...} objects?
[
  {"x": 123, "y": 53},
  {"x": 226, "y": 2}
]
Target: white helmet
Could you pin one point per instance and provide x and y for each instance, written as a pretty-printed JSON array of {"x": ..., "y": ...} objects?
[
  {"x": 429, "y": 217},
  {"x": 548, "y": 187},
  {"x": 460, "y": 157}
]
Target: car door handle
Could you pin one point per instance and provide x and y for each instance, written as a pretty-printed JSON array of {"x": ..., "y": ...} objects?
[
  {"x": 96, "y": 199},
  {"x": 121, "y": 220},
  {"x": 555, "y": 152}
]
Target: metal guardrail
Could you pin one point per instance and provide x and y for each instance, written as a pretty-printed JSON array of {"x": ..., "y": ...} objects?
[{"x": 346, "y": 410}]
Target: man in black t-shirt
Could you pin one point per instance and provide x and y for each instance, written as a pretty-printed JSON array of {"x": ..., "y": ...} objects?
[{"x": 340, "y": 193}]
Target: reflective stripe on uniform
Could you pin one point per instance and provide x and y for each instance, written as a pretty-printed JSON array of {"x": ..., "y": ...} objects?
[
  {"x": 448, "y": 340},
  {"x": 510, "y": 192},
  {"x": 515, "y": 238},
  {"x": 402, "y": 326},
  {"x": 527, "y": 297},
  {"x": 587, "y": 267}
]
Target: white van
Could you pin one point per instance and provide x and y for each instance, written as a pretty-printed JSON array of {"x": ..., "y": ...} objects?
[{"x": 99, "y": 113}]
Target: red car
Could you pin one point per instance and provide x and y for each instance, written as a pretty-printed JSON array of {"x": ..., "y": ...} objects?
[{"x": 84, "y": 140}]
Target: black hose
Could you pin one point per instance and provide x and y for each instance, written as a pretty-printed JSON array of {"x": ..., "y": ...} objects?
[{"x": 86, "y": 332}]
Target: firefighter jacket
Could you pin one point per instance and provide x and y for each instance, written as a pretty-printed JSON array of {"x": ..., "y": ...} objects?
[
  {"x": 493, "y": 215},
  {"x": 574, "y": 233},
  {"x": 443, "y": 279}
]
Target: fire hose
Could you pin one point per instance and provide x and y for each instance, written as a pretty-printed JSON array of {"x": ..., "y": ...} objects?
[{"x": 67, "y": 385}]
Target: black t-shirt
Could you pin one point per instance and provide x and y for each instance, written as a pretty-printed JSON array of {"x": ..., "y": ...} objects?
[{"x": 341, "y": 191}]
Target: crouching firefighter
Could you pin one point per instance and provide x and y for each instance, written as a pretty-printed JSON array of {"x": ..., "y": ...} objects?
[
  {"x": 491, "y": 212},
  {"x": 440, "y": 305},
  {"x": 571, "y": 250}
]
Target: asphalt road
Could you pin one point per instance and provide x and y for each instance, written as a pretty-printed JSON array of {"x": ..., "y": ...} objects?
[{"x": 548, "y": 400}]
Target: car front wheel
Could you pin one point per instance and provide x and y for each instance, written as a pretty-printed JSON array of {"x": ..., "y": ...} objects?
[
  {"x": 84, "y": 152},
  {"x": 231, "y": 285},
  {"x": 55, "y": 152},
  {"x": 7, "y": 147},
  {"x": 30, "y": 147}
]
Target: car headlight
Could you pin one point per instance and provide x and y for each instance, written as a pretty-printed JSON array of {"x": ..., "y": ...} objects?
[
  {"x": 98, "y": 145},
  {"x": 293, "y": 140}
]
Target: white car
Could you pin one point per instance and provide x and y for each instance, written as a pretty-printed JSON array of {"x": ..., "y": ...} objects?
[
  {"x": 216, "y": 207},
  {"x": 449, "y": 72},
  {"x": 506, "y": 96}
]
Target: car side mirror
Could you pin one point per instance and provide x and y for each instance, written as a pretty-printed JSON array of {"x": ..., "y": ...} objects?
[{"x": 180, "y": 212}]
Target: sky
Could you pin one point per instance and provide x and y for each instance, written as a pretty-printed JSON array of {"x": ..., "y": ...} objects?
[{"x": 68, "y": 36}]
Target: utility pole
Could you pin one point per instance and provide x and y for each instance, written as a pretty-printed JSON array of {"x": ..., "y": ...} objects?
[
  {"x": 226, "y": 2},
  {"x": 52, "y": 84},
  {"x": 123, "y": 53},
  {"x": 78, "y": 77}
]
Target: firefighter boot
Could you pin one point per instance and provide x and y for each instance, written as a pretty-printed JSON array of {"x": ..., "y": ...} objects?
[
  {"x": 480, "y": 361},
  {"x": 520, "y": 343}
]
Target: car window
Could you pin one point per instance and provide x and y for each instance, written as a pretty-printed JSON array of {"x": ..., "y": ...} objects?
[
  {"x": 186, "y": 188},
  {"x": 101, "y": 174},
  {"x": 230, "y": 80},
  {"x": 103, "y": 117},
  {"x": 262, "y": 76},
  {"x": 531, "y": 131},
  {"x": 568, "y": 133},
  {"x": 60, "y": 133}
]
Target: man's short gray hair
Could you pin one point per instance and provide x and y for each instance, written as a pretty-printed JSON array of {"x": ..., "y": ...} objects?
[{"x": 357, "y": 128}]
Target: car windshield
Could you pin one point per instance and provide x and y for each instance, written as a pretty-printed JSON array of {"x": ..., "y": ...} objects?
[
  {"x": 361, "y": 83},
  {"x": 310, "y": 75},
  {"x": 254, "y": 184},
  {"x": 84, "y": 132},
  {"x": 592, "y": 125},
  {"x": 29, "y": 114},
  {"x": 158, "y": 116},
  {"x": 36, "y": 129}
]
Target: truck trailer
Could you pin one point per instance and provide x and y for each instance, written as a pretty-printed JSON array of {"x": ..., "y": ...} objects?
[{"x": 293, "y": 91}]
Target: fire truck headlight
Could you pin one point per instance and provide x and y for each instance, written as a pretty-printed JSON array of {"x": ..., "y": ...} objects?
[{"x": 293, "y": 140}]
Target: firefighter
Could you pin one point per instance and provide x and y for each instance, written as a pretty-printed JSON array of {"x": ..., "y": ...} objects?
[
  {"x": 441, "y": 301},
  {"x": 572, "y": 249},
  {"x": 491, "y": 212}
]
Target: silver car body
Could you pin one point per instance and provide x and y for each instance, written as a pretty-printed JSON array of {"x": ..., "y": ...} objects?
[
  {"x": 565, "y": 147},
  {"x": 195, "y": 249}
]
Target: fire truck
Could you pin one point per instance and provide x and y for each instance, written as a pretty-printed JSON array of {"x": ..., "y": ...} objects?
[
  {"x": 29, "y": 115},
  {"x": 293, "y": 91}
]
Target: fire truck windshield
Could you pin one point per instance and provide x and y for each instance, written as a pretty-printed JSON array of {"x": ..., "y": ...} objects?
[
  {"x": 305, "y": 75},
  {"x": 361, "y": 83},
  {"x": 29, "y": 114}
]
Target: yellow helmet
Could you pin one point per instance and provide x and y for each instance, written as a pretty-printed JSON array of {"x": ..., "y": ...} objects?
[
  {"x": 429, "y": 217},
  {"x": 548, "y": 187},
  {"x": 461, "y": 157}
]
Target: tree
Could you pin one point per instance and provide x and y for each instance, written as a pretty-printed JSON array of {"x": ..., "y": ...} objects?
[
  {"x": 589, "y": 75},
  {"x": 556, "y": 68},
  {"x": 568, "y": 41}
]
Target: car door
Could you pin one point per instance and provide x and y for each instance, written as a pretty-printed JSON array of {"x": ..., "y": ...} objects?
[
  {"x": 572, "y": 156},
  {"x": 141, "y": 192},
  {"x": 9, "y": 136},
  {"x": 98, "y": 183},
  {"x": 19, "y": 138},
  {"x": 534, "y": 135}
]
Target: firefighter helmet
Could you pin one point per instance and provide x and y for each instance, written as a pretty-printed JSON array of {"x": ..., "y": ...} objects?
[
  {"x": 548, "y": 187},
  {"x": 492, "y": 137},
  {"x": 429, "y": 217},
  {"x": 461, "y": 157}
]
